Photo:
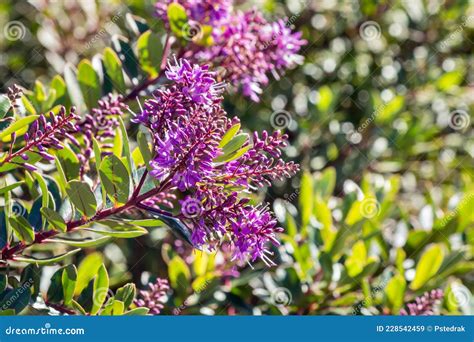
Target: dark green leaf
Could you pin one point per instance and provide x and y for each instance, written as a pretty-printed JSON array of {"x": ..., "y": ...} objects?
[{"x": 82, "y": 197}]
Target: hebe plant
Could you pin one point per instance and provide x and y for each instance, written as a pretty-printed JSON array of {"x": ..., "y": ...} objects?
[{"x": 79, "y": 168}]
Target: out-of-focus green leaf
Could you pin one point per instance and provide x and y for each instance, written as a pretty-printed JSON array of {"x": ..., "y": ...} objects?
[
  {"x": 395, "y": 292},
  {"x": 89, "y": 83},
  {"x": 113, "y": 66},
  {"x": 87, "y": 270},
  {"x": 101, "y": 288},
  {"x": 149, "y": 51},
  {"x": 427, "y": 266}
]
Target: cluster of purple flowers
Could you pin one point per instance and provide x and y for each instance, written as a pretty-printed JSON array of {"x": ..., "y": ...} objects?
[
  {"x": 245, "y": 44},
  {"x": 209, "y": 12},
  {"x": 100, "y": 124},
  {"x": 188, "y": 123},
  {"x": 43, "y": 134},
  {"x": 423, "y": 305},
  {"x": 153, "y": 297}
]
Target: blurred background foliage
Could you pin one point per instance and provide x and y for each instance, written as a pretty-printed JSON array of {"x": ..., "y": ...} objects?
[{"x": 379, "y": 117}]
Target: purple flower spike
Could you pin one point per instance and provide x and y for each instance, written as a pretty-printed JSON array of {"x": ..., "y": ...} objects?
[
  {"x": 188, "y": 124},
  {"x": 153, "y": 297}
]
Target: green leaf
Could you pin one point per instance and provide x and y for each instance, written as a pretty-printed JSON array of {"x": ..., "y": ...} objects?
[
  {"x": 325, "y": 99},
  {"x": 83, "y": 243},
  {"x": 54, "y": 219},
  {"x": 149, "y": 51},
  {"x": 356, "y": 262},
  {"x": 395, "y": 292},
  {"x": 146, "y": 223},
  {"x": 89, "y": 83},
  {"x": 126, "y": 294},
  {"x": 98, "y": 161},
  {"x": 119, "y": 229},
  {"x": 58, "y": 84},
  {"x": 232, "y": 146},
  {"x": 22, "y": 229},
  {"x": 449, "y": 80},
  {"x": 30, "y": 276},
  {"x": 46, "y": 261},
  {"x": 115, "y": 177},
  {"x": 306, "y": 198},
  {"x": 427, "y": 266},
  {"x": 87, "y": 270},
  {"x": 10, "y": 187},
  {"x": 19, "y": 126},
  {"x": 82, "y": 197},
  {"x": 61, "y": 175},
  {"x": 101, "y": 287},
  {"x": 69, "y": 162},
  {"x": 126, "y": 146},
  {"x": 4, "y": 106},
  {"x": 137, "y": 312},
  {"x": 73, "y": 88},
  {"x": 325, "y": 183},
  {"x": 113, "y": 66},
  {"x": 177, "y": 18},
  {"x": 231, "y": 132},
  {"x": 69, "y": 278},
  {"x": 44, "y": 189},
  {"x": 179, "y": 275}
]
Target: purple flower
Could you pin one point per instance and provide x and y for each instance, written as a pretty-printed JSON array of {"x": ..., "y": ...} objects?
[
  {"x": 153, "y": 297},
  {"x": 44, "y": 134},
  {"x": 249, "y": 48},
  {"x": 187, "y": 124},
  {"x": 423, "y": 305},
  {"x": 209, "y": 12}
]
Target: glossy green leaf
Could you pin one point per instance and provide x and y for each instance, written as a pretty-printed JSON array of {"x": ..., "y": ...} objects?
[
  {"x": 118, "y": 229},
  {"x": 54, "y": 219},
  {"x": 73, "y": 88},
  {"x": 22, "y": 229},
  {"x": 113, "y": 66},
  {"x": 179, "y": 275},
  {"x": 232, "y": 146},
  {"x": 87, "y": 270},
  {"x": 82, "y": 197},
  {"x": 68, "y": 279},
  {"x": 115, "y": 177},
  {"x": 100, "y": 290},
  {"x": 69, "y": 162},
  {"x": 149, "y": 51},
  {"x": 12, "y": 186},
  {"x": 46, "y": 261},
  {"x": 89, "y": 83},
  {"x": 177, "y": 18},
  {"x": 81, "y": 243},
  {"x": 231, "y": 132},
  {"x": 19, "y": 126}
]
